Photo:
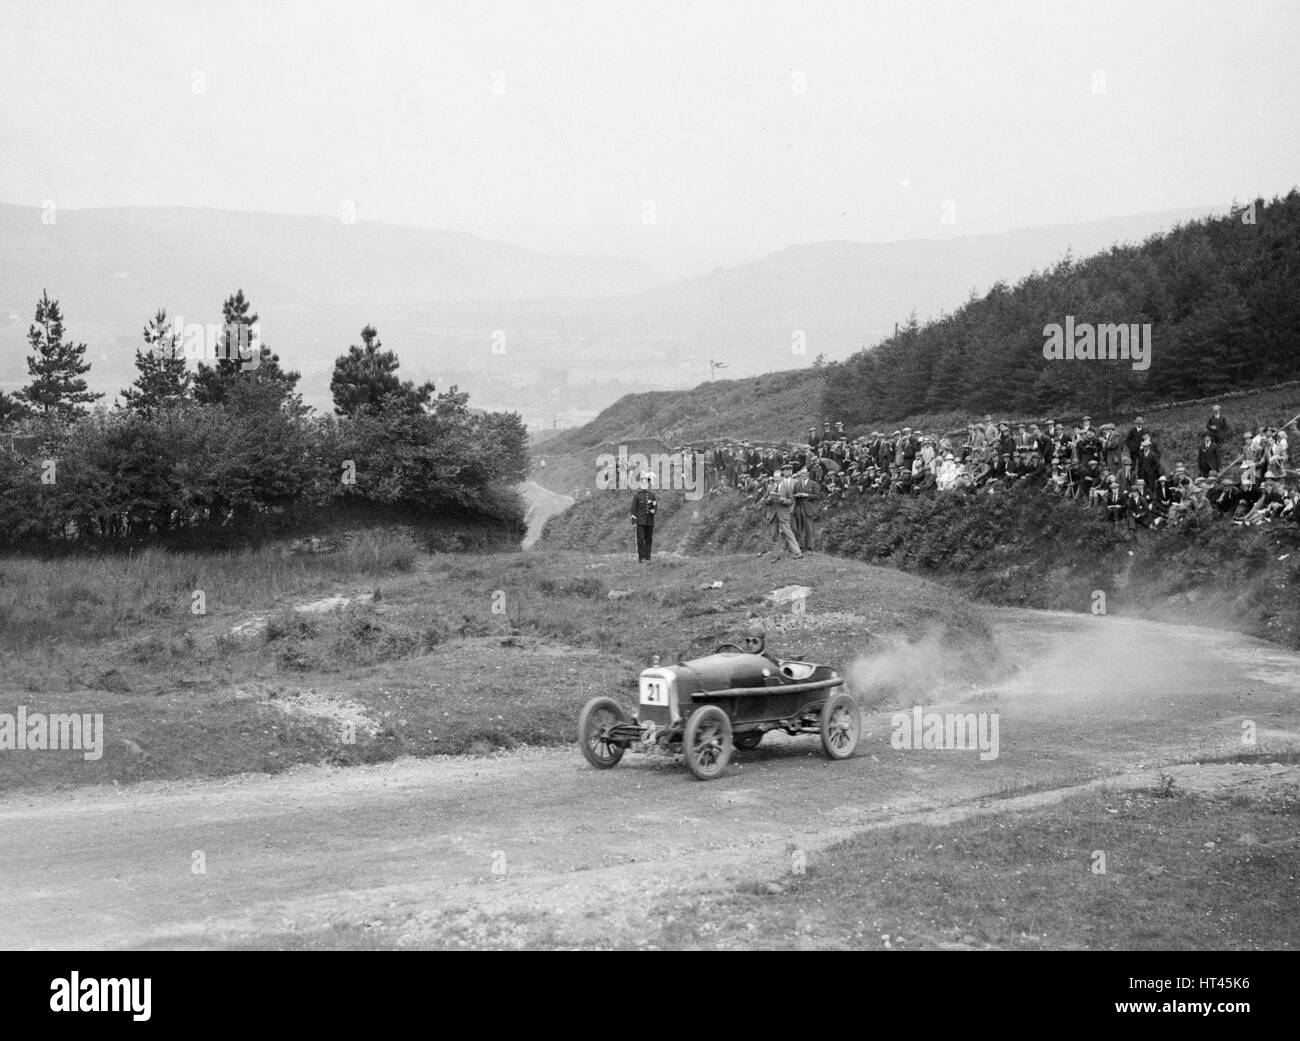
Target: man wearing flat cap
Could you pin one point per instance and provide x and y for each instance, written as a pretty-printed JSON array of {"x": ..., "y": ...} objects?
[
  {"x": 1112, "y": 447},
  {"x": 1217, "y": 425}
]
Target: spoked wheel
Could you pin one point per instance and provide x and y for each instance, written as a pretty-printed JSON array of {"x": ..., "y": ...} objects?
[
  {"x": 840, "y": 724},
  {"x": 597, "y": 716},
  {"x": 707, "y": 742},
  {"x": 747, "y": 741}
]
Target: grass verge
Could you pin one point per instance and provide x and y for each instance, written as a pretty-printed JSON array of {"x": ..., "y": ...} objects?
[{"x": 1157, "y": 869}]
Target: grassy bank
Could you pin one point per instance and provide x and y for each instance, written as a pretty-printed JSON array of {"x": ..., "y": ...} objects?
[
  {"x": 397, "y": 653},
  {"x": 1022, "y": 548}
]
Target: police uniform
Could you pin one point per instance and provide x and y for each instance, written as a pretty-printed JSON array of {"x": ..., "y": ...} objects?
[{"x": 644, "y": 505}]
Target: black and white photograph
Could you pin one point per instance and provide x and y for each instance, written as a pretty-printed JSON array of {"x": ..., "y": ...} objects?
[{"x": 627, "y": 476}]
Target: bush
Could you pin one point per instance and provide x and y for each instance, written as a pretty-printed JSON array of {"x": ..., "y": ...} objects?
[{"x": 208, "y": 476}]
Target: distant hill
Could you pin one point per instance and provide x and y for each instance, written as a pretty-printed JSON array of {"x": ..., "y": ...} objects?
[
  {"x": 436, "y": 296},
  {"x": 841, "y": 296},
  {"x": 574, "y": 333}
]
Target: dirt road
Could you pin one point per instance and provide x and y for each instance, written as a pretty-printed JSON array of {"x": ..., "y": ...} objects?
[
  {"x": 536, "y": 847},
  {"x": 541, "y": 504}
]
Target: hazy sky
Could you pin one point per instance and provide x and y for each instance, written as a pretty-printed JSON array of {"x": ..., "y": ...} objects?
[{"x": 748, "y": 126}]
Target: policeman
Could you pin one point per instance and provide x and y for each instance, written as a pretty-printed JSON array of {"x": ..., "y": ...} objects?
[{"x": 644, "y": 505}]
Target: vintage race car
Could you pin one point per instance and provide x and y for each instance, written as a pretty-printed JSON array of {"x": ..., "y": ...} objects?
[{"x": 731, "y": 698}]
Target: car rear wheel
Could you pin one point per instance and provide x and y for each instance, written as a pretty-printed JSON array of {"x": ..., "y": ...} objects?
[
  {"x": 707, "y": 742},
  {"x": 840, "y": 725},
  {"x": 597, "y": 716},
  {"x": 747, "y": 741}
]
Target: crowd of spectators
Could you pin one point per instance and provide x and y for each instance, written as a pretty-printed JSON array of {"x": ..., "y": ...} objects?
[{"x": 1121, "y": 475}]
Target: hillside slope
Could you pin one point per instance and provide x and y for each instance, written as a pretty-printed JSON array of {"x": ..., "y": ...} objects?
[
  {"x": 1216, "y": 303},
  {"x": 1022, "y": 548},
  {"x": 775, "y": 406},
  {"x": 1218, "y": 298}
]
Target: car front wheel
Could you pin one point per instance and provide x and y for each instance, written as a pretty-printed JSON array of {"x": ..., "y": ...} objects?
[
  {"x": 597, "y": 716},
  {"x": 840, "y": 724},
  {"x": 707, "y": 742}
]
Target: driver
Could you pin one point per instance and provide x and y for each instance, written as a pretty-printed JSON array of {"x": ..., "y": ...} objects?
[{"x": 754, "y": 642}]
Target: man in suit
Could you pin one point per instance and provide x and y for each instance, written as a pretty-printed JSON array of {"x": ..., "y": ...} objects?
[
  {"x": 1001, "y": 464},
  {"x": 990, "y": 433},
  {"x": 1165, "y": 497},
  {"x": 885, "y": 452},
  {"x": 1034, "y": 469},
  {"x": 644, "y": 505},
  {"x": 901, "y": 446},
  {"x": 1112, "y": 446},
  {"x": 806, "y": 493},
  {"x": 1146, "y": 464},
  {"x": 1006, "y": 443},
  {"x": 827, "y": 438},
  {"x": 1134, "y": 440},
  {"x": 1043, "y": 443},
  {"x": 1114, "y": 502},
  {"x": 780, "y": 508},
  {"x": 1208, "y": 458},
  {"x": 1225, "y": 494},
  {"x": 1064, "y": 442},
  {"x": 1139, "y": 506},
  {"x": 1087, "y": 445},
  {"x": 1217, "y": 425}
]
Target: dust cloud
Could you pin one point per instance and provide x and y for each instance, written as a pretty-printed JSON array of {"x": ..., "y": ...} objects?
[
  {"x": 1100, "y": 661},
  {"x": 929, "y": 667}
]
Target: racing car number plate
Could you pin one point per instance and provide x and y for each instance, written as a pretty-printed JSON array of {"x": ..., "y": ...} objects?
[{"x": 653, "y": 691}]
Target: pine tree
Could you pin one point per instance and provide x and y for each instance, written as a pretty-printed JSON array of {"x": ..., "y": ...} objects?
[
  {"x": 163, "y": 380},
  {"x": 247, "y": 375},
  {"x": 365, "y": 379},
  {"x": 57, "y": 389}
]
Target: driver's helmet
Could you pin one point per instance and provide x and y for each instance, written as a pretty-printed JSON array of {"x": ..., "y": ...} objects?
[{"x": 754, "y": 640}]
